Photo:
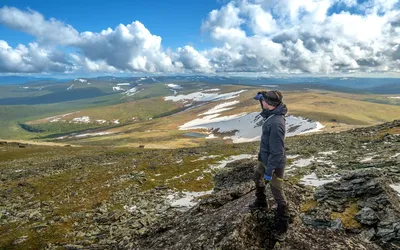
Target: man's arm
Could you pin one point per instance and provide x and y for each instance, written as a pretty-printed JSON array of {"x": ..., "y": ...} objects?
[{"x": 276, "y": 148}]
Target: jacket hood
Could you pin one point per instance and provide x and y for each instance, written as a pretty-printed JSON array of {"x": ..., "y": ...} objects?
[{"x": 281, "y": 109}]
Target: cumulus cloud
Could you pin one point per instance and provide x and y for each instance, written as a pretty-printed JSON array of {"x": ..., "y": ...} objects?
[
  {"x": 35, "y": 24},
  {"x": 31, "y": 59},
  {"x": 310, "y": 36},
  {"x": 273, "y": 36}
]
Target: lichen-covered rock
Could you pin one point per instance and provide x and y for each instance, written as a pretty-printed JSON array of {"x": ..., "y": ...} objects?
[{"x": 363, "y": 201}]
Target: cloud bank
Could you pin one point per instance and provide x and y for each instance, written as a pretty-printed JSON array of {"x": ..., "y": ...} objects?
[{"x": 269, "y": 36}]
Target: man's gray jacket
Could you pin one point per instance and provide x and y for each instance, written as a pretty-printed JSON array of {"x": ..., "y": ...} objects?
[{"x": 272, "y": 146}]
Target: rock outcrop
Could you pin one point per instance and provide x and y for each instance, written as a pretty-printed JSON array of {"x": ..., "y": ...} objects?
[
  {"x": 223, "y": 221},
  {"x": 361, "y": 202}
]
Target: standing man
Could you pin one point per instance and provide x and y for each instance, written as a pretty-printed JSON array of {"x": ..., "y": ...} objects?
[{"x": 272, "y": 158}]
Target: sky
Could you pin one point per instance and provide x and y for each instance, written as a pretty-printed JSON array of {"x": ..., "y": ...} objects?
[{"x": 292, "y": 37}]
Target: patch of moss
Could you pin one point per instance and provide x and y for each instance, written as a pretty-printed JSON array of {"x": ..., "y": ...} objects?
[
  {"x": 308, "y": 205},
  {"x": 347, "y": 217}
]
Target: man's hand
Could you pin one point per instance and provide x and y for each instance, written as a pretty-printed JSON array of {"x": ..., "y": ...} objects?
[{"x": 267, "y": 178}]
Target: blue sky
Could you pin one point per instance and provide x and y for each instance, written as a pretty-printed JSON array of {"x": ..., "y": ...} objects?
[
  {"x": 285, "y": 37},
  {"x": 178, "y": 22}
]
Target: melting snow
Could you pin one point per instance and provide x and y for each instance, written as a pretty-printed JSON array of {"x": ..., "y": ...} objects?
[
  {"x": 211, "y": 90},
  {"x": 303, "y": 162},
  {"x": 187, "y": 201},
  {"x": 328, "y": 152},
  {"x": 367, "y": 159},
  {"x": 93, "y": 134},
  {"x": 84, "y": 119},
  {"x": 116, "y": 121},
  {"x": 118, "y": 89},
  {"x": 396, "y": 188},
  {"x": 206, "y": 157},
  {"x": 81, "y": 80},
  {"x": 131, "y": 92},
  {"x": 313, "y": 180},
  {"x": 221, "y": 108},
  {"x": 204, "y": 97},
  {"x": 211, "y": 136},
  {"x": 130, "y": 209},
  {"x": 247, "y": 127},
  {"x": 174, "y": 86},
  {"x": 230, "y": 159},
  {"x": 101, "y": 121},
  {"x": 292, "y": 156}
]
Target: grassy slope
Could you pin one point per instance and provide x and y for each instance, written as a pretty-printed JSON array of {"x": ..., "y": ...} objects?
[
  {"x": 332, "y": 109},
  {"x": 81, "y": 179}
]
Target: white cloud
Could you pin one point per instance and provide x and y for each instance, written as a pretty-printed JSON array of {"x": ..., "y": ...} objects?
[
  {"x": 193, "y": 60},
  {"x": 273, "y": 36},
  {"x": 33, "y": 23},
  {"x": 30, "y": 59}
]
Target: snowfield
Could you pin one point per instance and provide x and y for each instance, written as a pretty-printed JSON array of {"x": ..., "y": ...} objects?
[
  {"x": 220, "y": 108},
  {"x": 204, "y": 97},
  {"x": 131, "y": 92},
  {"x": 118, "y": 89},
  {"x": 313, "y": 180},
  {"x": 247, "y": 126},
  {"x": 80, "y": 80},
  {"x": 83, "y": 119},
  {"x": 174, "y": 86}
]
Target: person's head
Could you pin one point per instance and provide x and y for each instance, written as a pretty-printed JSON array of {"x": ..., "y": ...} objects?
[{"x": 269, "y": 99}]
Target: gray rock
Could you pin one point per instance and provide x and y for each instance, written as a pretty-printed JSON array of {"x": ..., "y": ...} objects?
[
  {"x": 367, "y": 235},
  {"x": 367, "y": 216}
]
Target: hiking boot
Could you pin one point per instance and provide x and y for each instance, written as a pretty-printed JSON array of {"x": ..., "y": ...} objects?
[
  {"x": 258, "y": 206},
  {"x": 261, "y": 200},
  {"x": 281, "y": 228},
  {"x": 281, "y": 222}
]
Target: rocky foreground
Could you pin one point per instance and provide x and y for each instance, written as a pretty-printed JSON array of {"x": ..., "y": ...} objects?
[
  {"x": 360, "y": 211},
  {"x": 67, "y": 198}
]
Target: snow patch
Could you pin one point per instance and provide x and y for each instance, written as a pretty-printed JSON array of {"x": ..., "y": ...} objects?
[
  {"x": 223, "y": 163},
  {"x": 118, "y": 89},
  {"x": 80, "y": 80},
  {"x": 83, "y": 119},
  {"x": 124, "y": 84},
  {"x": 93, "y": 134},
  {"x": 101, "y": 121},
  {"x": 206, "y": 157},
  {"x": 70, "y": 87},
  {"x": 116, "y": 121},
  {"x": 366, "y": 159},
  {"x": 313, "y": 180},
  {"x": 174, "y": 86},
  {"x": 130, "y": 209},
  {"x": 204, "y": 97},
  {"x": 396, "y": 188},
  {"x": 221, "y": 108},
  {"x": 328, "y": 152},
  {"x": 188, "y": 200},
  {"x": 303, "y": 162},
  {"x": 131, "y": 92},
  {"x": 394, "y": 97},
  {"x": 247, "y": 127}
]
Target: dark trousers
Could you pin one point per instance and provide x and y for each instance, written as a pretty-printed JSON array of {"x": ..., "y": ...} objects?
[{"x": 276, "y": 183}]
